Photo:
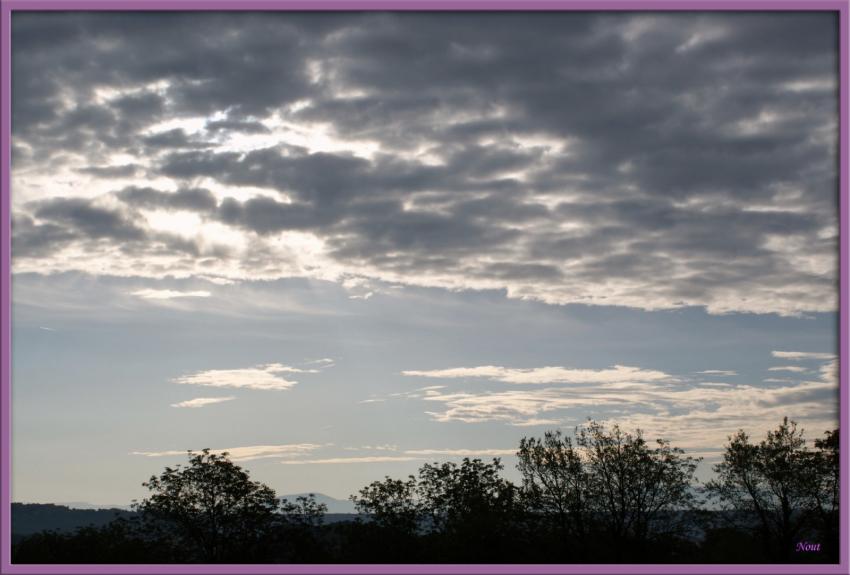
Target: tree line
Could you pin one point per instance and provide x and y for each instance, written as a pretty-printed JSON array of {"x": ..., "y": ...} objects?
[{"x": 602, "y": 496}]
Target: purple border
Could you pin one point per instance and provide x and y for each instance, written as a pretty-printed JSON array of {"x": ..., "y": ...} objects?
[{"x": 6, "y": 8}]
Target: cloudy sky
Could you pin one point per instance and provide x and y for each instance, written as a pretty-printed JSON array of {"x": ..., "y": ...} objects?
[{"x": 342, "y": 245}]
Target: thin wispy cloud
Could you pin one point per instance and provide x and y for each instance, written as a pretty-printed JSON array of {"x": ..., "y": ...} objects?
[
  {"x": 719, "y": 372},
  {"x": 263, "y": 377},
  {"x": 245, "y": 453},
  {"x": 156, "y": 294},
  {"x": 652, "y": 405},
  {"x": 802, "y": 355},
  {"x": 348, "y": 460},
  {"x": 791, "y": 368},
  {"x": 461, "y": 452},
  {"x": 202, "y": 401},
  {"x": 618, "y": 374}
]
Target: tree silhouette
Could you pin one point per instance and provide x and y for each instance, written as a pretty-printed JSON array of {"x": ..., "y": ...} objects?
[
  {"x": 211, "y": 506},
  {"x": 462, "y": 510},
  {"x": 611, "y": 484},
  {"x": 779, "y": 485},
  {"x": 555, "y": 484},
  {"x": 391, "y": 503},
  {"x": 825, "y": 491}
]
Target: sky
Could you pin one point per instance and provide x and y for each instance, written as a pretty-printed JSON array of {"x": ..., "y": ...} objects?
[{"x": 342, "y": 245}]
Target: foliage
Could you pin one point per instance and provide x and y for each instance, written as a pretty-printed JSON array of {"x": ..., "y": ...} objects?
[
  {"x": 211, "y": 506},
  {"x": 780, "y": 483},
  {"x": 611, "y": 484},
  {"x": 603, "y": 496}
]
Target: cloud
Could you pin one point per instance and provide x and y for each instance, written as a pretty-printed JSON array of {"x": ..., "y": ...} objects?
[
  {"x": 691, "y": 413},
  {"x": 168, "y": 294},
  {"x": 344, "y": 460},
  {"x": 416, "y": 149},
  {"x": 720, "y": 372},
  {"x": 264, "y": 377},
  {"x": 620, "y": 375},
  {"x": 246, "y": 453},
  {"x": 802, "y": 355},
  {"x": 793, "y": 368},
  {"x": 202, "y": 401},
  {"x": 461, "y": 452},
  {"x": 384, "y": 447}
]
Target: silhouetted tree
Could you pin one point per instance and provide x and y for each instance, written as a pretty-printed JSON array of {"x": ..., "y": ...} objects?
[
  {"x": 211, "y": 506},
  {"x": 555, "y": 485},
  {"x": 463, "y": 511},
  {"x": 773, "y": 486},
  {"x": 391, "y": 503},
  {"x": 611, "y": 484},
  {"x": 825, "y": 491}
]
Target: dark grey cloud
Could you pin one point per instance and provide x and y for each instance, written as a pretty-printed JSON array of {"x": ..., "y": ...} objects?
[
  {"x": 193, "y": 199},
  {"x": 247, "y": 127},
  {"x": 176, "y": 138},
  {"x": 676, "y": 158},
  {"x": 123, "y": 171},
  {"x": 84, "y": 217}
]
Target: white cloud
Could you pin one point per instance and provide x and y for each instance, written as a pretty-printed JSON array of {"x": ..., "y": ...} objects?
[
  {"x": 168, "y": 294},
  {"x": 692, "y": 414},
  {"x": 800, "y": 355},
  {"x": 793, "y": 368},
  {"x": 367, "y": 459},
  {"x": 245, "y": 453},
  {"x": 462, "y": 452},
  {"x": 202, "y": 401},
  {"x": 720, "y": 372},
  {"x": 261, "y": 377},
  {"x": 384, "y": 447},
  {"x": 619, "y": 374}
]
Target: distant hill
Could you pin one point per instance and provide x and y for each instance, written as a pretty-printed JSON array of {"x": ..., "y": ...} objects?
[
  {"x": 28, "y": 518},
  {"x": 335, "y": 506},
  {"x": 85, "y": 505}
]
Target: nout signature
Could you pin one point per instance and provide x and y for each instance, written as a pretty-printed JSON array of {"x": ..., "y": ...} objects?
[{"x": 807, "y": 547}]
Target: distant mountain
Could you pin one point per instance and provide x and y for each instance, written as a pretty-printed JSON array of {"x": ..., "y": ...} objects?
[
  {"x": 84, "y": 505},
  {"x": 28, "y": 518},
  {"x": 334, "y": 505}
]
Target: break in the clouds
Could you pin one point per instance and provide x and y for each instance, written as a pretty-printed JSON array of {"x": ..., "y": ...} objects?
[
  {"x": 202, "y": 401},
  {"x": 265, "y": 377},
  {"x": 647, "y": 160}
]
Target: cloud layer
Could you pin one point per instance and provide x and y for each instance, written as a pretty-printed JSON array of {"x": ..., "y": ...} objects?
[
  {"x": 696, "y": 413},
  {"x": 659, "y": 161}
]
